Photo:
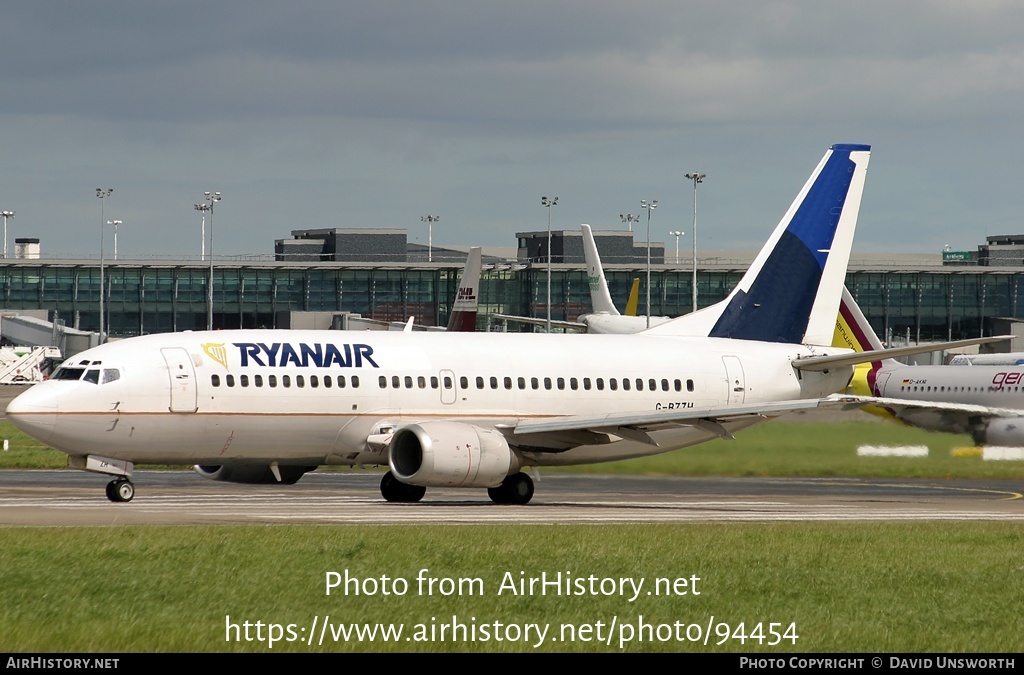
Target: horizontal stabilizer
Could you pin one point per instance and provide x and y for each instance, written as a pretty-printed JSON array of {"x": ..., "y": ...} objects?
[{"x": 828, "y": 362}]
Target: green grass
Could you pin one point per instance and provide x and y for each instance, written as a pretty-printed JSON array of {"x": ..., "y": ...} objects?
[
  {"x": 776, "y": 448},
  {"x": 922, "y": 587}
]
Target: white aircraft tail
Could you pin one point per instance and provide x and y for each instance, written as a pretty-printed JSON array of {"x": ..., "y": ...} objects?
[
  {"x": 600, "y": 297},
  {"x": 464, "y": 309},
  {"x": 791, "y": 292}
]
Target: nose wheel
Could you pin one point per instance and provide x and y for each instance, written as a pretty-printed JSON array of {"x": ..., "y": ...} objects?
[{"x": 120, "y": 490}]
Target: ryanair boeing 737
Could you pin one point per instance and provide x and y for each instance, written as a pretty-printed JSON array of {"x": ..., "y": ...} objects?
[{"x": 470, "y": 409}]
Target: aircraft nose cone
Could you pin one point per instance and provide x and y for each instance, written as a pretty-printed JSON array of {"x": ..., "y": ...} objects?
[{"x": 34, "y": 412}]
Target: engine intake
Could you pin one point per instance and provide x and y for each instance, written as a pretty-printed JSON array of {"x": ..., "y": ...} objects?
[{"x": 450, "y": 454}]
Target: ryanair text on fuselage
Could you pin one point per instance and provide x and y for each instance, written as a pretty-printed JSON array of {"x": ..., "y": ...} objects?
[{"x": 303, "y": 355}]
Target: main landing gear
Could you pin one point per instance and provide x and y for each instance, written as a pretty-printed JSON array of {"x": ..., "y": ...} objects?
[
  {"x": 120, "y": 490},
  {"x": 394, "y": 490},
  {"x": 515, "y": 489}
]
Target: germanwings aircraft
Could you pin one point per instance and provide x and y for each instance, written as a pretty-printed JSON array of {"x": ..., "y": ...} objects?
[
  {"x": 985, "y": 401},
  {"x": 604, "y": 317},
  {"x": 470, "y": 409}
]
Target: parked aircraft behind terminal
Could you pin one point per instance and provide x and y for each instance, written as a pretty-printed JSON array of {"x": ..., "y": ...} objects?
[
  {"x": 985, "y": 401},
  {"x": 604, "y": 318},
  {"x": 470, "y": 409}
]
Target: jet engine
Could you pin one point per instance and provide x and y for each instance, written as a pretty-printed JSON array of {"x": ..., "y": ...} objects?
[
  {"x": 450, "y": 454},
  {"x": 252, "y": 473},
  {"x": 1000, "y": 431}
]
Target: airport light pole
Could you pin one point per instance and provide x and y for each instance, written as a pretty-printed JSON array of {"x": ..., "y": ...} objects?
[
  {"x": 548, "y": 203},
  {"x": 696, "y": 178},
  {"x": 650, "y": 206},
  {"x": 203, "y": 208},
  {"x": 102, "y": 194},
  {"x": 629, "y": 219},
  {"x": 677, "y": 233},
  {"x": 6, "y": 215},
  {"x": 430, "y": 220},
  {"x": 213, "y": 198},
  {"x": 115, "y": 223}
]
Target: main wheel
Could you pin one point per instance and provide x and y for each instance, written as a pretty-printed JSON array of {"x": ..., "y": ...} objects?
[
  {"x": 394, "y": 490},
  {"x": 515, "y": 489}
]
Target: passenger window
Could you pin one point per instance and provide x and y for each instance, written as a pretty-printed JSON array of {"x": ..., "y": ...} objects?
[
  {"x": 434, "y": 382},
  {"x": 664, "y": 385},
  {"x": 243, "y": 380},
  {"x": 448, "y": 382},
  {"x": 383, "y": 382},
  {"x": 508, "y": 382},
  {"x": 215, "y": 380},
  {"x": 652, "y": 385},
  {"x": 258, "y": 379},
  {"x": 328, "y": 382},
  {"x": 600, "y": 384},
  {"x": 561, "y": 383},
  {"x": 396, "y": 382},
  {"x": 547, "y": 383},
  {"x": 625, "y": 384},
  {"x": 421, "y": 382},
  {"x": 479, "y": 382},
  {"x": 408, "y": 381},
  {"x": 314, "y": 381},
  {"x": 464, "y": 382},
  {"x": 355, "y": 381},
  {"x": 613, "y": 384},
  {"x": 574, "y": 383},
  {"x": 230, "y": 380},
  {"x": 521, "y": 382},
  {"x": 586, "y": 383},
  {"x": 639, "y": 384},
  {"x": 286, "y": 381},
  {"x": 534, "y": 383},
  {"x": 689, "y": 385},
  {"x": 679, "y": 385},
  {"x": 272, "y": 380},
  {"x": 494, "y": 382},
  {"x": 341, "y": 381}
]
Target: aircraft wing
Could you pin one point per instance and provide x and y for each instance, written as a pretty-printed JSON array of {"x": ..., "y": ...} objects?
[
  {"x": 568, "y": 325},
  {"x": 938, "y": 415},
  {"x": 559, "y": 433}
]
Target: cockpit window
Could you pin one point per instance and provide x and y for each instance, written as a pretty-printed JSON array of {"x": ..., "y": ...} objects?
[
  {"x": 111, "y": 375},
  {"x": 68, "y": 374},
  {"x": 92, "y": 375}
]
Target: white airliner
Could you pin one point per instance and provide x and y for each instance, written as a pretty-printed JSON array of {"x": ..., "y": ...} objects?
[
  {"x": 604, "y": 317},
  {"x": 470, "y": 409},
  {"x": 985, "y": 401}
]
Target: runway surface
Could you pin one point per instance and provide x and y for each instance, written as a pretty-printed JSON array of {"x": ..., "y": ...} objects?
[{"x": 74, "y": 498}]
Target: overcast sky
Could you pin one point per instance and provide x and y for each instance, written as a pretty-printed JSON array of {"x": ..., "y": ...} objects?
[{"x": 376, "y": 114}]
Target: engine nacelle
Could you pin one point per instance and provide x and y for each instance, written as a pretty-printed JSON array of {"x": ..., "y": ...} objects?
[
  {"x": 1002, "y": 431},
  {"x": 450, "y": 454},
  {"x": 252, "y": 473}
]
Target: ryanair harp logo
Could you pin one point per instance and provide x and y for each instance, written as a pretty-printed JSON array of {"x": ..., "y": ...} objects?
[{"x": 218, "y": 352}]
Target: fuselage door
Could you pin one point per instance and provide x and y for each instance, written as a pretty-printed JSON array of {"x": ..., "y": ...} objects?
[
  {"x": 449, "y": 390},
  {"x": 183, "y": 380},
  {"x": 734, "y": 374}
]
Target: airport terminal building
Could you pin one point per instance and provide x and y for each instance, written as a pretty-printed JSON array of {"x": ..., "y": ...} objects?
[{"x": 377, "y": 274}]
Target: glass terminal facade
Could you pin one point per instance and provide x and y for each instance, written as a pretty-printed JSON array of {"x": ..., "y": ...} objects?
[{"x": 154, "y": 297}]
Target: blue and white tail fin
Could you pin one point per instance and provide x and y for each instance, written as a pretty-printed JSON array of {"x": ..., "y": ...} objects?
[
  {"x": 464, "y": 309},
  {"x": 600, "y": 297},
  {"x": 791, "y": 291}
]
